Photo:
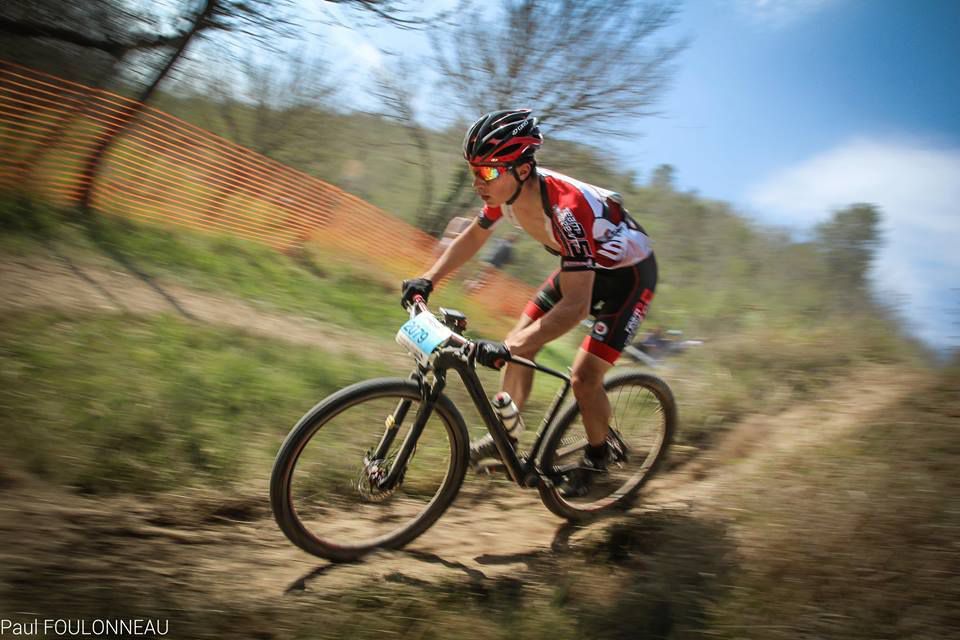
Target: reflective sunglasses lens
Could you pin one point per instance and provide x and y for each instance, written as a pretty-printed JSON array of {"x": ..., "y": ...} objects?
[{"x": 488, "y": 174}]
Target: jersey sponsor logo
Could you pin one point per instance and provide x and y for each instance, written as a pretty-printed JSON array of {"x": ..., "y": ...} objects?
[
  {"x": 612, "y": 241},
  {"x": 605, "y": 231},
  {"x": 615, "y": 239},
  {"x": 574, "y": 236},
  {"x": 568, "y": 222},
  {"x": 634, "y": 322},
  {"x": 639, "y": 313},
  {"x": 614, "y": 250}
]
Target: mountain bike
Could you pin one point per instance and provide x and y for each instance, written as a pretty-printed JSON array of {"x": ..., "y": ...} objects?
[{"x": 376, "y": 464}]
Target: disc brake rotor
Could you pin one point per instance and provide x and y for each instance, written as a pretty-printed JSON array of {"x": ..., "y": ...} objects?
[{"x": 370, "y": 479}]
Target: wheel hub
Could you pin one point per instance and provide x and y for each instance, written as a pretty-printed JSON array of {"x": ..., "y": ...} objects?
[{"x": 370, "y": 480}]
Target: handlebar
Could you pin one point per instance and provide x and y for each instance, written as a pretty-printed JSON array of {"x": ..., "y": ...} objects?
[{"x": 419, "y": 305}]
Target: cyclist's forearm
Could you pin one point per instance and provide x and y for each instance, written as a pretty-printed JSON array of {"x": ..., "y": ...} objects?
[
  {"x": 554, "y": 324},
  {"x": 464, "y": 247}
]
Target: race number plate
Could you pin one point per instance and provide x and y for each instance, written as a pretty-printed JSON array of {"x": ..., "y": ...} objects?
[{"x": 422, "y": 335}]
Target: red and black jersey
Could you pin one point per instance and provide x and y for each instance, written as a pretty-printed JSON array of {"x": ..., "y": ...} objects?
[{"x": 590, "y": 224}]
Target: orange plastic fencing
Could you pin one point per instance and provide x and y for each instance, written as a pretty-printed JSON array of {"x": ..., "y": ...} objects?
[{"x": 163, "y": 170}]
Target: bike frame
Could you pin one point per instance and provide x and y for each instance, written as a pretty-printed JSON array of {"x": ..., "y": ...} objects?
[{"x": 525, "y": 471}]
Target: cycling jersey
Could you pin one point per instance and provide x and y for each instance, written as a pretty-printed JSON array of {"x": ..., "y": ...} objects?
[{"x": 590, "y": 224}]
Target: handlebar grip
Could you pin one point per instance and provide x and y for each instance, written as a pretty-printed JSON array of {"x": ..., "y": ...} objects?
[{"x": 417, "y": 305}]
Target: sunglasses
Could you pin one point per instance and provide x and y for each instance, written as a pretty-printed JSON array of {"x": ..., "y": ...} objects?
[{"x": 489, "y": 174}]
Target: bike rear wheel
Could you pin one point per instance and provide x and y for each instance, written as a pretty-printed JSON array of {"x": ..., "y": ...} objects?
[
  {"x": 323, "y": 489},
  {"x": 643, "y": 421}
]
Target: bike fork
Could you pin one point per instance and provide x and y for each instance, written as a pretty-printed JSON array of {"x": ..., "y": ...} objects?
[
  {"x": 429, "y": 396},
  {"x": 393, "y": 422}
]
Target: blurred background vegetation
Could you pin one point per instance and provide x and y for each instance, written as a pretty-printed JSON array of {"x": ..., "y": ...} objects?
[{"x": 854, "y": 536}]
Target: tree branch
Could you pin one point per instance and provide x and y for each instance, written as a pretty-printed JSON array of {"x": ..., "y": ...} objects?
[{"x": 114, "y": 48}]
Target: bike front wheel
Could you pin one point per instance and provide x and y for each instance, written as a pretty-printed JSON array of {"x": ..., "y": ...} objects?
[
  {"x": 642, "y": 424},
  {"x": 324, "y": 489}
]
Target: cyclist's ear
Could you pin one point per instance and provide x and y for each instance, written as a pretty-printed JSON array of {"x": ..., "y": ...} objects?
[{"x": 524, "y": 170}]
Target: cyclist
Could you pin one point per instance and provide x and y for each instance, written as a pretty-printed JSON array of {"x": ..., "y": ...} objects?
[{"x": 607, "y": 269}]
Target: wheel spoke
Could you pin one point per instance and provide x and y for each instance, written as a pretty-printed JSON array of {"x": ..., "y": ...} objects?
[
  {"x": 333, "y": 504},
  {"x": 639, "y": 426}
]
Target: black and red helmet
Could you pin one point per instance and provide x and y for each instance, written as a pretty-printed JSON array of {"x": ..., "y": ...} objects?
[{"x": 502, "y": 137}]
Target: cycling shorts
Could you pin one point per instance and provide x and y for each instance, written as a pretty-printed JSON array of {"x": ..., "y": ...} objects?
[{"x": 619, "y": 303}]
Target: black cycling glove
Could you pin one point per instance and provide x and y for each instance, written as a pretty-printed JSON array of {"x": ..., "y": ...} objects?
[
  {"x": 411, "y": 288},
  {"x": 492, "y": 354}
]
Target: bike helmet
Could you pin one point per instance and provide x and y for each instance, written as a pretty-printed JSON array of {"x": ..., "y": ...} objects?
[{"x": 502, "y": 137}]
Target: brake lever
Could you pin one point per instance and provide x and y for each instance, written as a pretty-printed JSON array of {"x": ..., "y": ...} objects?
[
  {"x": 472, "y": 355},
  {"x": 417, "y": 306}
]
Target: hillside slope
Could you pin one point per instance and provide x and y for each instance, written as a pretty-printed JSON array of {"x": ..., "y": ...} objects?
[{"x": 678, "y": 564}]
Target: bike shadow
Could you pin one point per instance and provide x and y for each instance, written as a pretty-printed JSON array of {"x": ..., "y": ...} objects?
[
  {"x": 559, "y": 544},
  {"x": 300, "y": 584},
  {"x": 474, "y": 576},
  {"x": 670, "y": 564}
]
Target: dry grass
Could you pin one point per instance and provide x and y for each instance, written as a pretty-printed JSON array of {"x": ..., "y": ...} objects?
[{"x": 856, "y": 538}]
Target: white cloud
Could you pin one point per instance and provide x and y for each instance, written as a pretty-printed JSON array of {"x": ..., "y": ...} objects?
[
  {"x": 353, "y": 49},
  {"x": 368, "y": 54},
  {"x": 918, "y": 189},
  {"x": 779, "y": 13}
]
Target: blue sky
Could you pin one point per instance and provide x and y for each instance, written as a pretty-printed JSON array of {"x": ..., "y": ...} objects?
[
  {"x": 789, "y": 109},
  {"x": 766, "y": 84}
]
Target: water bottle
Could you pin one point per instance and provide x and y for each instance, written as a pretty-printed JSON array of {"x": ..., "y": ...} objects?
[{"x": 506, "y": 408}]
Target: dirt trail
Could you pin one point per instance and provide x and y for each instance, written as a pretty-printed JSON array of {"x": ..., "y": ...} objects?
[
  {"x": 211, "y": 548},
  {"x": 760, "y": 440},
  {"x": 228, "y": 547},
  {"x": 208, "y": 542},
  {"x": 34, "y": 283}
]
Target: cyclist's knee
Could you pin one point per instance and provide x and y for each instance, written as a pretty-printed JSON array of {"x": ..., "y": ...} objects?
[
  {"x": 586, "y": 377},
  {"x": 586, "y": 382}
]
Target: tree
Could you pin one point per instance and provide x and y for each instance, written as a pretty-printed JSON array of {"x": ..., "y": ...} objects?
[
  {"x": 848, "y": 243},
  {"x": 113, "y": 40},
  {"x": 663, "y": 177},
  {"x": 577, "y": 62},
  {"x": 83, "y": 41},
  {"x": 250, "y": 18},
  {"x": 397, "y": 88},
  {"x": 94, "y": 161},
  {"x": 270, "y": 106},
  {"x": 586, "y": 65}
]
